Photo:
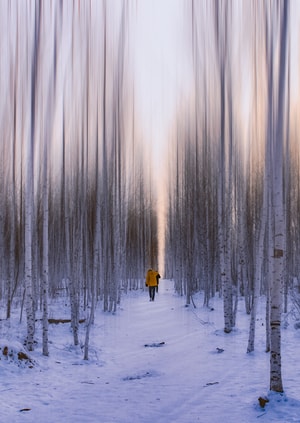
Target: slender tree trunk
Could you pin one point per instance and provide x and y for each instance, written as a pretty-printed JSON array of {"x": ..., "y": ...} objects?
[
  {"x": 29, "y": 209},
  {"x": 45, "y": 279},
  {"x": 279, "y": 219},
  {"x": 12, "y": 261},
  {"x": 259, "y": 253}
]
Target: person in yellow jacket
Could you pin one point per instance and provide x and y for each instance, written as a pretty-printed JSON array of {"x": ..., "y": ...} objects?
[{"x": 152, "y": 281}]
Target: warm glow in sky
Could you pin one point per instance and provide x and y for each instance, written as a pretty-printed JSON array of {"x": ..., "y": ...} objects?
[{"x": 162, "y": 75}]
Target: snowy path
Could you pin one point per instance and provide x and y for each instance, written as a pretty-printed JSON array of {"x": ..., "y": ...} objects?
[{"x": 183, "y": 381}]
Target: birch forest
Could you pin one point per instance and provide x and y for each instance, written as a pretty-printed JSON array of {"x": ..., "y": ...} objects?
[{"x": 81, "y": 215}]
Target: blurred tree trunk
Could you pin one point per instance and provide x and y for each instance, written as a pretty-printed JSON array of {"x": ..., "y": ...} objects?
[
  {"x": 222, "y": 21},
  {"x": 48, "y": 125},
  {"x": 278, "y": 208},
  {"x": 260, "y": 227},
  {"x": 29, "y": 185},
  {"x": 12, "y": 239},
  {"x": 45, "y": 263}
]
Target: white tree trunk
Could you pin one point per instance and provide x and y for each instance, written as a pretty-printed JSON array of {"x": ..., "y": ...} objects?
[
  {"x": 29, "y": 185},
  {"x": 45, "y": 281},
  {"x": 258, "y": 262},
  {"x": 28, "y": 250},
  {"x": 276, "y": 289}
]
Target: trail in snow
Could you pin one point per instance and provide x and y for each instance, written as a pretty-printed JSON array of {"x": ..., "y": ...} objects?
[{"x": 184, "y": 380}]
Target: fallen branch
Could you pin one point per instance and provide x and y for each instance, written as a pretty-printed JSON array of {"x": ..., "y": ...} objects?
[
  {"x": 210, "y": 384},
  {"x": 155, "y": 344},
  {"x": 57, "y": 321}
]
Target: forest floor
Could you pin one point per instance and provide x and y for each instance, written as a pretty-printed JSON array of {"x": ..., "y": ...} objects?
[{"x": 189, "y": 371}]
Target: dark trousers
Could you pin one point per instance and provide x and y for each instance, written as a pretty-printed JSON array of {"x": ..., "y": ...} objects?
[{"x": 152, "y": 292}]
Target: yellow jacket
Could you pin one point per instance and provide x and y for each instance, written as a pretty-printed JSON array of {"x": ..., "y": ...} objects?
[{"x": 152, "y": 278}]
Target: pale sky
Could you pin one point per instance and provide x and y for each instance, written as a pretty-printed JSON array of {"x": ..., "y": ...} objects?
[
  {"x": 161, "y": 67},
  {"x": 162, "y": 75}
]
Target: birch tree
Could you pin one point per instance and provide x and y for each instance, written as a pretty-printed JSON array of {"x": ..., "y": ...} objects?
[
  {"x": 278, "y": 206},
  {"x": 262, "y": 206},
  {"x": 29, "y": 183},
  {"x": 12, "y": 273},
  {"x": 45, "y": 280},
  {"x": 222, "y": 11},
  {"x": 47, "y": 128}
]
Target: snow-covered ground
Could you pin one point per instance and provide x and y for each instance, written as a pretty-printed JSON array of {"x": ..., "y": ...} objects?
[{"x": 184, "y": 380}]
